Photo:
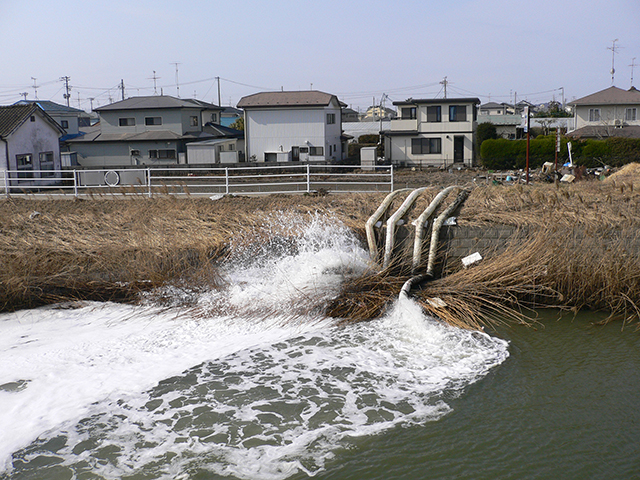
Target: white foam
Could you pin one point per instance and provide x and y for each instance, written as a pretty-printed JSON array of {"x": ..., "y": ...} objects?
[{"x": 253, "y": 398}]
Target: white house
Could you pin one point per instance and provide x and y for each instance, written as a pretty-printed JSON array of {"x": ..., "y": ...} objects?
[
  {"x": 29, "y": 144},
  {"x": 433, "y": 132},
  {"x": 612, "y": 112},
  {"x": 293, "y": 126}
]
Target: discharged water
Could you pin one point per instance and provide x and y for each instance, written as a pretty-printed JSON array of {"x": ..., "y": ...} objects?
[{"x": 247, "y": 384}]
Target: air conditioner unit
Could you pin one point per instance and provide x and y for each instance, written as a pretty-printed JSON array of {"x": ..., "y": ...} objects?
[{"x": 618, "y": 123}]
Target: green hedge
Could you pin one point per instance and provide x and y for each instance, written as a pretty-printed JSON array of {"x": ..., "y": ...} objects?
[{"x": 504, "y": 154}]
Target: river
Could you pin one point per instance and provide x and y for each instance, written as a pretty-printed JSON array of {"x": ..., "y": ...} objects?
[{"x": 250, "y": 382}]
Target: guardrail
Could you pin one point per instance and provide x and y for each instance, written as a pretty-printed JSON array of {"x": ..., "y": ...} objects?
[{"x": 169, "y": 180}]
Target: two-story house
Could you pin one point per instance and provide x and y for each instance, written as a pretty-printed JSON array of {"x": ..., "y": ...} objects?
[
  {"x": 69, "y": 118},
  {"x": 433, "y": 132},
  {"x": 293, "y": 126},
  {"x": 612, "y": 112},
  {"x": 149, "y": 130},
  {"x": 29, "y": 145}
]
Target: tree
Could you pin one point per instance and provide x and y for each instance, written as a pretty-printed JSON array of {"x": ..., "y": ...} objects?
[{"x": 238, "y": 124}]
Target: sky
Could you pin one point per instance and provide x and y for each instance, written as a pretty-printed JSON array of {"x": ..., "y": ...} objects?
[{"x": 365, "y": 52}]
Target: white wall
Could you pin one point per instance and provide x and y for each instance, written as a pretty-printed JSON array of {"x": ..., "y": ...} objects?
[{"x": 34, "y": 138}]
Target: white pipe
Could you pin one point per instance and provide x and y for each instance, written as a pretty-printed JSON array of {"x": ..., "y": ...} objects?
[
  {"x": 437, "y": 225},
  {"x": 393, "y": 220},
  {"x": 420, "y": 223},
  {"x": 384, "y": 206}
]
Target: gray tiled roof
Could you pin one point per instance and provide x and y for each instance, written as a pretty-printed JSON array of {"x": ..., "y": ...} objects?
[
  {"x": 422, "y": 101},
  {"x": 610, "y": 96},
  {"x": 156, "y": 101},
  {"x": 305, "y": 98},
  {"x": 13, "y": 116},
  {"x": 602, "y": 131},
  {"x": 51, "y": 108}
]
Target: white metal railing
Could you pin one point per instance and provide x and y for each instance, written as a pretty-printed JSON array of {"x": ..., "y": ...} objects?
[{"x": 170, "y": 180}]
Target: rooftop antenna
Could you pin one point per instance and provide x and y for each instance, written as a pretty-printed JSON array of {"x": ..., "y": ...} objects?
[
  {"x": 613, "y": 49},
  {"x": 177, "y": 81},
  {"x": 155, "y": 86},
  {"x": 24, "y": 94},
  {"x": 35, "y": 86},
  {"x": 444, "y": 83},
  {"x": 633, "y": 64}
]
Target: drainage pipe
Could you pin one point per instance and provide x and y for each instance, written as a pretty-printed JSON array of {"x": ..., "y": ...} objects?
[
  {"x": 433, "y": 247},
  {"x": 420, "y": 223},
  {"x": 384, "y": 206},
  {"x": 437, "y": 225},
  {"x": 394, "y": 219}
]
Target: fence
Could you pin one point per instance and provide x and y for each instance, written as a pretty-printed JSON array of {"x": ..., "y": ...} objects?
[{"x": 303, "y": 178}]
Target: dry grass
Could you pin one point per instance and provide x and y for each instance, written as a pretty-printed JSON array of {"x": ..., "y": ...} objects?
[{"x": 581, "y": 251}]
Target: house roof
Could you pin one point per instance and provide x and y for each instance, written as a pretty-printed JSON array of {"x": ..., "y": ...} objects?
[
  {"x": 156, "y": 101},
  {"x": 221, "y": 131},
  {"x": 495, "y": 105},
  {"x": 12, "y": 116},
  {"x": 603, "y": 131},
  {"x": 610, "y": 96},
  {"x": 304, "y": 98},
  {"x": 421, "y": 101},
  {"x": 52, "y": 108}
]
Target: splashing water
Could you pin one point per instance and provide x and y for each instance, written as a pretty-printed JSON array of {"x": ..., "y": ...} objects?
[{"x": 118, "y": 390}]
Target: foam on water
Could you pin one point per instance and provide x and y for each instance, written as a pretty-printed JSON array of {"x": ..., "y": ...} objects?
[{"x": 116, "y": 390}]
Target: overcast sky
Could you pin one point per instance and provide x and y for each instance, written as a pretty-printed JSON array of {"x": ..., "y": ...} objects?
[{"x": 357, "y": 50}]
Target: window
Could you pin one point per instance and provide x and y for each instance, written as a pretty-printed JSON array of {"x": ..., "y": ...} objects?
[
  {"x": 408, "y": 113},
  {"x": 457, "y": 113},
  {"x": 162, "y": 154},
  {"x": 46, "y": 163},
  {"x": 135, "y": 152},
  {"x": 214, "y": 117},
  {"x": 434, "y": 114},
  {"x": 422, "y": 146},
  {"x": 232, "y": 147},
  {"x": 316, "y": 151},
  {"x": 24, "y": 162},
  {"x": 594, "y": 114},
  {"x": 193, "y": 121},
  {"x": 126, "y": 122},
  {"x": 630, "y": 115},
  {"x": 64, "y": 124},
  {"x": 152, "y": 121},
  {"x": 33, "y": 118},
  {"x": 304, "y": 149},
  {"x": 331, "y": 118}
]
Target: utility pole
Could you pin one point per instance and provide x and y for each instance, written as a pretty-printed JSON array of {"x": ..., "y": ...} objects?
[
  {"x": 633, "y": 64},
  {"x": 177, "y": 81},
  {"x": 613, "y": 49},
  {"x": 444, "y": 83},
  {"x": 35, "y": 87},
  {"x": 67, "y": 88},
  {"x": 121, "y": 88},
  {"x": 219, "y": 104},
  {"x": 91, "y": 99}
]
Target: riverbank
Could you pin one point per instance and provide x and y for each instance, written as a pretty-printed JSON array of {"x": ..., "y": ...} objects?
[{"x": 576, "y": 254}]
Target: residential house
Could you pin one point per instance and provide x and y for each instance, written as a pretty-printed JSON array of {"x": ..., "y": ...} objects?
[
  {"x": 149, "y": 130},
  {"x": 69, "y": 118},
  {"x": 612, "y": 112},
  {"x": 493, "y": 108},
  {"x": 225, "y": 145},
  {"x": 293, "y": 126},
  {"x": 377, "y": 113},
  {"x": 229, "y": 115},
  {"x": 29, "y": 145},
  {"x": 433, "y": 132}
]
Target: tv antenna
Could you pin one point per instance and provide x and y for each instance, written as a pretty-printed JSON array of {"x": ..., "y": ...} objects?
[
  {"x": 614, "y": 50},
  {"x": 155, "y": 86},
  {"x": 177, "y": 81},
  {"x": 633, "y": 64}
]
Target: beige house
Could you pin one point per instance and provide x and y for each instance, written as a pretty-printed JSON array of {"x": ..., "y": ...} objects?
[
  {"x": 433, "y": 132},
  {"x": 612, "y": 112}
]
